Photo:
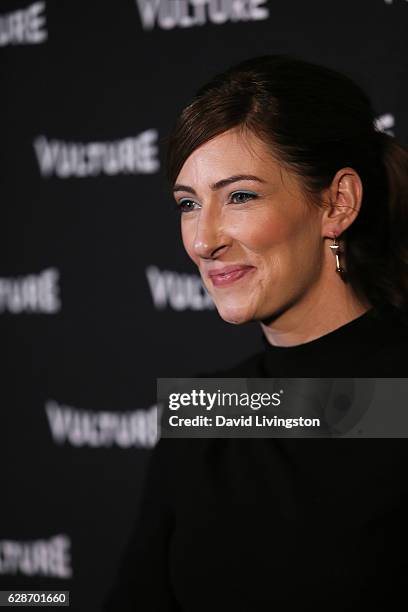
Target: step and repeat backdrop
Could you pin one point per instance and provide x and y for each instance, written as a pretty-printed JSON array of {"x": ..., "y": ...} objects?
[{"x": 97, "y": 297}]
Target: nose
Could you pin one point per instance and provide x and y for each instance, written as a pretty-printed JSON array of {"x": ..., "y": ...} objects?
[{"x": 209, "y": 237}]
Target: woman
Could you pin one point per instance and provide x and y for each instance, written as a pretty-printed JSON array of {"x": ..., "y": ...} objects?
[{"x": 294, "y": 208}]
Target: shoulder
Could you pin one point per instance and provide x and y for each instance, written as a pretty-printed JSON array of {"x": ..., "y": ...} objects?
[
  {"x": 389, "y": 356},
  {"x": 390, "y": 360},
  {"x": 169, "y": 455},
  {"x": 179, "y": 466}
]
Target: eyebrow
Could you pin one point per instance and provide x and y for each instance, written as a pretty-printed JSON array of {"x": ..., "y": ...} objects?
[{"x": 222, "y": 183}]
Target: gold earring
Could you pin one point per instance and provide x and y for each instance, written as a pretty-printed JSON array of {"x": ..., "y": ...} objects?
[{"x": 335, "y": 247}]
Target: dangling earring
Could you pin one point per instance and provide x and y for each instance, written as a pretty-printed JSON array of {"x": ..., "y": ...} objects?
[{"x": 335, "y": 247}]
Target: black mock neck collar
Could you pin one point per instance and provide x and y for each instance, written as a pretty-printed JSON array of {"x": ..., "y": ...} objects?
[
  {"x": 359, "y": 324},
  {"x": 347, "y": 351}
]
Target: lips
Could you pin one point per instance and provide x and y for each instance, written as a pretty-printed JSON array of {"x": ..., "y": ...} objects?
[{"x": 228, "y": 274}]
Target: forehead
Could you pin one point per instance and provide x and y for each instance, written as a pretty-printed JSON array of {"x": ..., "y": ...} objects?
[{"x": 227, "y": 154}]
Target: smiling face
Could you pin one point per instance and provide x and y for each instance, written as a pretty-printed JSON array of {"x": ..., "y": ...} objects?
[{"x": 247, "y": 226}]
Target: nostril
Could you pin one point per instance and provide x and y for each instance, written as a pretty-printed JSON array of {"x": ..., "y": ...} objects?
[
  {"x": 207, "y": 251},
  {"x": 217, "y": 249}
]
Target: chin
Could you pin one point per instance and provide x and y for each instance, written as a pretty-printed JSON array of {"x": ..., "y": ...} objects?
[{"x": 236, "y": 316}]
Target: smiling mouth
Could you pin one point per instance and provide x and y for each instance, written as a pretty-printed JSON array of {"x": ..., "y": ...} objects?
[{"x": 227, "y": 278}]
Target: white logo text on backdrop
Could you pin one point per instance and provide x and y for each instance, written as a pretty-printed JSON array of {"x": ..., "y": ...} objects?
[
  {"x": 385, "y": 123},
  {"x": 23, "y": 27},
  {"x": 36, "y": 293},
  {"x": 178, "y": 291},
  {"x": 137, "y": 428},
  {"x": 169, "y": 14},
  {"x": 37, "y": 557},
  {"x": 133, "y": 155}
]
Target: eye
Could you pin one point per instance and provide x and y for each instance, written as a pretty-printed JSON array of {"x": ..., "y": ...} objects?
[
  {"x": 185, "y": 205},
  {"x": 246, "y": 195}
]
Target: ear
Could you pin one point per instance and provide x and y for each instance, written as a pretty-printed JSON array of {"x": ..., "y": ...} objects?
[{"x": 343, "y": 202}]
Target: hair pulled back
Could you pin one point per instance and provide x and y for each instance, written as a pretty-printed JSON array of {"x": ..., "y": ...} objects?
[{"x": 316, "y": 121}]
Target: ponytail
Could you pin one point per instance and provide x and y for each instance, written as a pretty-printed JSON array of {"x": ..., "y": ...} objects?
[{"x": 395, "y": 158}]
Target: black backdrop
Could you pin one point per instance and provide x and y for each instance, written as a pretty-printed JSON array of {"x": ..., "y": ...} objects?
[{"x": 97, "y": 297}]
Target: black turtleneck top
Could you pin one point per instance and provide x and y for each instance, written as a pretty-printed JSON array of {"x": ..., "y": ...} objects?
[
  {"x": 372, "y": 345},
  {"x": 252, "y": 525}
]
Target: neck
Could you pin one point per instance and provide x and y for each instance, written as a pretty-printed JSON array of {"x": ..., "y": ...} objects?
[{"x": 314, "y": 316}]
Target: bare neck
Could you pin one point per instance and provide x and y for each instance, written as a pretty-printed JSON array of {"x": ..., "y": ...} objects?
[{"x": 314, "y": 316}]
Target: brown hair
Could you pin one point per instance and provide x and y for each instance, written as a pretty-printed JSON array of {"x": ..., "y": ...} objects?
[{"x": 316, "y": 121}]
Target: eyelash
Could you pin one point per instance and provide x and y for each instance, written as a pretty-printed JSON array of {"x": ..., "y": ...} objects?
[{"x": 179, "y": 205}]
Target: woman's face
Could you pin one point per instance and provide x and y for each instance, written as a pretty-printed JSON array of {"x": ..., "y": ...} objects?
[{"x": 257, "y": 243}]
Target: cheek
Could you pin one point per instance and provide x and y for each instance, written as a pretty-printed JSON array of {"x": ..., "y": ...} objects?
[
  {"x": 268, "y": 232},
  {"x": 282, "y": 247},
  {"x": 187, "y": 236}
]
